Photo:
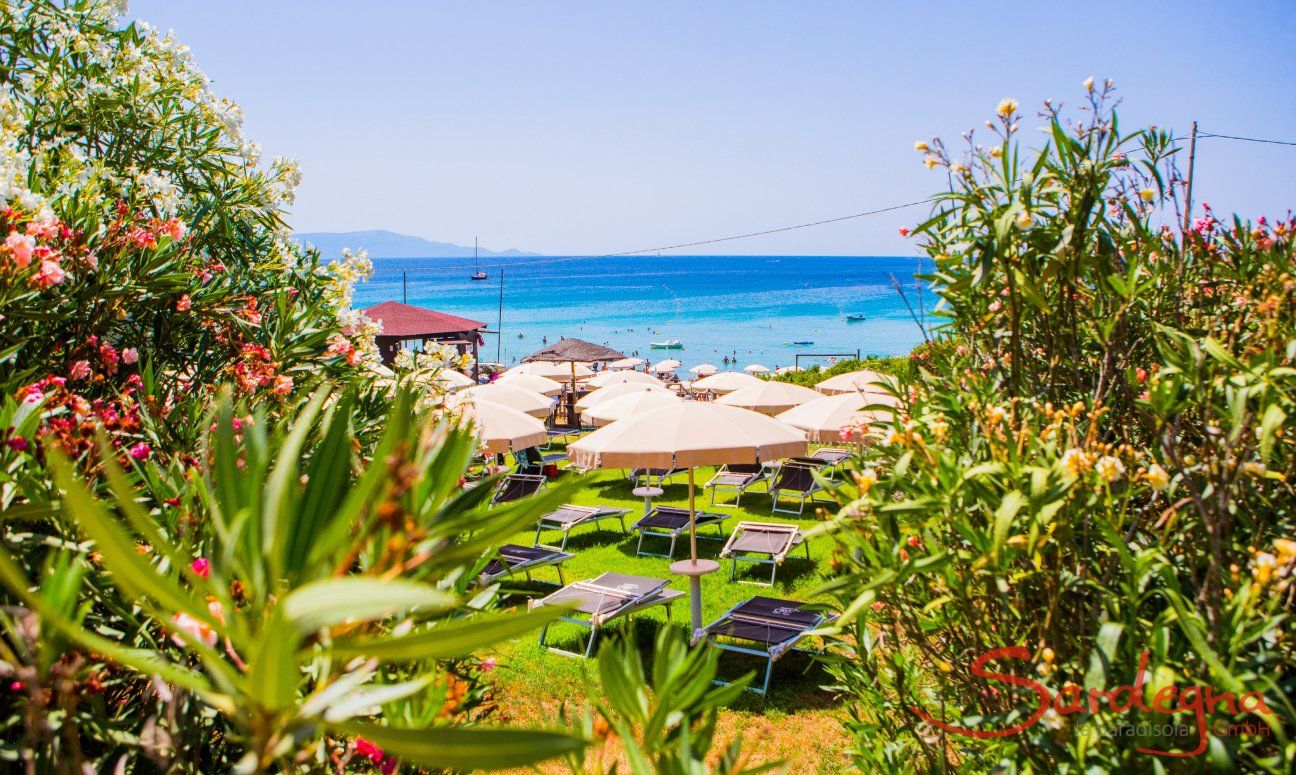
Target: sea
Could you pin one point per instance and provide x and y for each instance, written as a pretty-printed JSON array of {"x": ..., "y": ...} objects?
[{"x": 732, "y": 311}]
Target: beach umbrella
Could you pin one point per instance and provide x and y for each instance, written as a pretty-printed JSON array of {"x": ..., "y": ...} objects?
[
  {"x": 511, "y": 396},
  {"x": 769, "y": 397},
  {"x": 626, "y": 363},
  {"x": 851, "y": 382},
  {"x": 823, "y": 418},
  {"x": 502, "y": 429},
  {"x": 590, "y": 400},
  {"x": 726, "y": 382},
  {"x": 686, "y": 435},
  {"x": 704, "y": 369},
  {"x": 757, "y": 368},
  {"x": 453, "y": 380},
  {"x": 788, "y": 369},
  {"x": 616, "y": 377},
  {"x": 621, "y": 407},
  {"x": 556, "y": 371},
  {"x": 533, "y": 382},
  {"x": 665, "y": 367}
]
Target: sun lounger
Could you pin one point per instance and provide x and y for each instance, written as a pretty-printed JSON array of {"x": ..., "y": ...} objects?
[
  {"x": 513, "y": 559},
  {"x": 569, "y": 516},
  {"x": 775, "y": 625},
  {"x": 652, "y": 477},
  {"x": 833, "y": 457},
  {"x": 737, "y": 477},
  {"x": 762, "y": 543},
  {"x": 601, "y": 600},
  {"x": 671, "y": 522},
  {"x": 796, "y": 478},
  {"x": 515, "y": 486}
]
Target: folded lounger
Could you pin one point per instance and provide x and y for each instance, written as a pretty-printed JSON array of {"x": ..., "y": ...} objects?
[
  {"x": 604, "y": 599},
  {"x": 775, "y": 625},
  {"x": 569, "y": 516},
  {"x": 737, "y": 477},
  {"x": 762, "y": 543},
  {"x": 514, "y": 559},
  {"x": 670, "y": 522},
  {"x": 515, "y": 486},
  {"x": 796, "y": 478}
]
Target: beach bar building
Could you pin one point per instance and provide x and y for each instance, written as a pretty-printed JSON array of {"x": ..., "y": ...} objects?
[{"x": 405, "y": 323}]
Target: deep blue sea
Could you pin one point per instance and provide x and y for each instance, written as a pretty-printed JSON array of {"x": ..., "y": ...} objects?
[{"x": 750, "y": 308}]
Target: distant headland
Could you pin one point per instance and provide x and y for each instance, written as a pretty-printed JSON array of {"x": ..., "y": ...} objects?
[{"x": 381, "y": 243}]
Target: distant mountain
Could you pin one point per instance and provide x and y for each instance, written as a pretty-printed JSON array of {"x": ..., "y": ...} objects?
[{"x": 388, "y": 244}]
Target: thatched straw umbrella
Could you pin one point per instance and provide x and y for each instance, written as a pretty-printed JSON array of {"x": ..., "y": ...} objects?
[{"x": 573, "y": 351}]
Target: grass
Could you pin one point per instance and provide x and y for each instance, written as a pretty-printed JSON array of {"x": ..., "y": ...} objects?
[{"x": 798, "y": 720}]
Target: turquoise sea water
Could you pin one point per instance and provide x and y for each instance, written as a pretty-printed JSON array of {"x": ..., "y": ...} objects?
[{"x": 750, "y": 308}]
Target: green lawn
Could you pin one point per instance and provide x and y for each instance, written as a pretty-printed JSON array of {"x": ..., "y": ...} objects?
[{"x": 533, "y": 682}]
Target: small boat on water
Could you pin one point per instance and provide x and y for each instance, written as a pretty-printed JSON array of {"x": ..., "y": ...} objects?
[
  {"x": 854, "y": 318},
  {"x": 479, "y": 274},
  {"x": 802, "y": 344},
  {"x": 669, "y": 344}
]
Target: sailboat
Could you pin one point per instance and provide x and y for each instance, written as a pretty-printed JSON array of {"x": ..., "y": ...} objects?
[{"x": 479, "y": 274}]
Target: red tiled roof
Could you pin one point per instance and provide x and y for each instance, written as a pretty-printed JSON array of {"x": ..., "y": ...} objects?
[{"x": 403, "y": 320}]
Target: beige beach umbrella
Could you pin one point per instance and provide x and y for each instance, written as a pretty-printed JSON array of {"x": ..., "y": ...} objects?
[
  {"x": 665, "y": 367},
  {"x": 533, "y": 382},
  {"x": 626, "y": 363},
  {"x": 608, "y": 378},
  {"x": 823, "y": 418},
  {"x": 555, "y": 371},
  {"x": 621, "y": 407},
  {"x": 502, "y": 429},
  {"x": 685, "y": 435},
  {"x": 769, "y": 397},
  {"x": 511, "y": 396},
  {"x": 704, "y": 369},
  {"x": 590, "y": 400},
  {"x": 453, "y": 380},
  {"x": 851, "y": 382},
  {"x": 757, "y": 368},
  {"x": 787, "y": 370},
  {"x": 726, "y": 382}
]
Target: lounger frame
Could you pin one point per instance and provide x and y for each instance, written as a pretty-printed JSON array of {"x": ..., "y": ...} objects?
[
  {"x": 737, "y": 481},
  {"x": 803, "y": 496},
  {"x": 594, "y": 515},
  {"x": 701, "y": 519},
  {"x": 794, "y": 538},
  {"x": 554, "y": 557},
  {"x": 498, "y": 497},
  {"x": 771, "y": 652},
  {"x": 594, "y": 622}
]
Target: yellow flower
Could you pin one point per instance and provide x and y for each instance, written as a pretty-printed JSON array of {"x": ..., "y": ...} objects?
[
  {"x": 995, "y": 415},
  {"x": 1075, "y": 462},
  {"x": 1264, "y": 567},
  {"x": 1110, "y": 468},
  {"x": 1088, "y": 83},
  {"x": 894, "y": 437},
  {"x": 939, "y": 428},
  {"x": 1148, "y": 195},
  {"x": 865, "y": 480},
  {"x": 1286, "y": 549},
  {"x": 1007, "y": 107},
  {"x": 1156, "y": 477},
  {"x": 1023, "y": 220},
  {"x": 920, "y": 146},
  {"x": 930, "y": 161},
  {"x": 996, "y": 152},
  {"x": 1047, "y": 655}
]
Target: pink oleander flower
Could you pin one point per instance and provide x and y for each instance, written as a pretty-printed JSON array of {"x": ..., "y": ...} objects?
[
  {"x": 201, "y": 567},
  {"x": 50, "y": 274},
  {"x": 283, "y": 384},
  {"x": 20, "y": 247},
  {"x": 174, "y": 228},
  {"x": 141, "y": 451},
  {"x": 129, "y": 355},
  {"x": 904, "y": 231},
  {"x": 79, "y": 370},
  {"x": 368, "y": 750},
  {"x": 44, "y": 229},
  {"x": 17, "y": 444},
  {"x": 196, "y": 628},
  {"x": 488, "y": 664},
  {"x": 144, "y": 238},
  {"x": 183, "y": 304}
]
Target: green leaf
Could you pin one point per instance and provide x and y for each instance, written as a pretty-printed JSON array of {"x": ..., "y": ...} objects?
[
  {"x": 1003, "y": 519},
  {"x": 447, "y": 641},
  {"x": 273, "y": 671},
  {"x": 358, "y": 599},
  {"x": 466, "y": 749}
]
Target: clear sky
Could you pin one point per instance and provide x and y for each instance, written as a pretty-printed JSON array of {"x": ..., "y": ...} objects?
[{"x": 592, "y": 127}]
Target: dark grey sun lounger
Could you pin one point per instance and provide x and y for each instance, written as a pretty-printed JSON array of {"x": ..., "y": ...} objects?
[
  {"x": 569, "y": 516},
  {"x": 774, "y": 625},
  {"x": 671, "y": 522},
  {"x": 601, "y": 600},
  {"x": 796, "y": 478},
  {"x": 515, "y": 486},
  {"x": 513, "y": 559},
  {"x": 652, "y": 477},
  {"x": 737, "y": 477},
  {"x": 765, "y": 543},
  {"x": 833, "y": 457}
]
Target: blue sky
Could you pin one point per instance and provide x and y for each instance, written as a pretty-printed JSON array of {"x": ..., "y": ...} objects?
[{"x": 568, "y": 127}]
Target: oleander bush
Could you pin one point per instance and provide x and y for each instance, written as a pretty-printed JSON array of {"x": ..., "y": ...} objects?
[{"x": 1090, "y": 482}]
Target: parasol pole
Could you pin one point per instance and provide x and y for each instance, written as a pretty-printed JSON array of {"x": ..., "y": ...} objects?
[{"x": 692, "y": 521}]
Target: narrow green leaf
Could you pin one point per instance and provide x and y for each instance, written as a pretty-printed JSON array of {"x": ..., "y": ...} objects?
[
  {"x": 458, "y": 748},
  {"x": 447, "y": 641},
  {"x": 358, "y": 599}
]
